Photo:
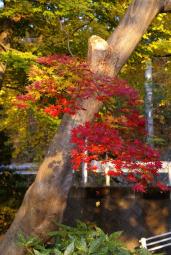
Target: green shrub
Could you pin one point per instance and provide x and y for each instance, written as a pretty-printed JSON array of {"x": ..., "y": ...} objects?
[
  {"x": 6, "y": 217},
  {"x": 14, "y": 185},
  {"x": 80, "y": 240}
]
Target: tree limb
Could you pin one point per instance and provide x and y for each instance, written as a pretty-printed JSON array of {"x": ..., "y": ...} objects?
[{"x": 166, "y": 6}]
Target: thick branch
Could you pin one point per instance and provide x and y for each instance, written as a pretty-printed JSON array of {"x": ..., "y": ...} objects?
[
  {"x": 127, "y": 35},
  {"x": 166, "y": 6}
]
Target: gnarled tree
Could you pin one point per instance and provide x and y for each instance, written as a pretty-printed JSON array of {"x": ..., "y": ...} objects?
[{"x": 46, "y": 198}]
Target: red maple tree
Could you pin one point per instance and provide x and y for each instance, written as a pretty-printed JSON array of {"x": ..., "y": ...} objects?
[{"x": 59, "y": 83}]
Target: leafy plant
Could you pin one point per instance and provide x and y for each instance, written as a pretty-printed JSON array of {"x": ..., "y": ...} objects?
[{"x": 80, "y": 240}]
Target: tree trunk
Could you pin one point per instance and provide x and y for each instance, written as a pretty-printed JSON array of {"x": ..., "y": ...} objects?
[
  {"x": 46, "y": 198},
  {"x": 148, "y": 86}
]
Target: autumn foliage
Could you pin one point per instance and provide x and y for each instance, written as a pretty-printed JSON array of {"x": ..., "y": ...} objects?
[{"x": 58, "y": 84}]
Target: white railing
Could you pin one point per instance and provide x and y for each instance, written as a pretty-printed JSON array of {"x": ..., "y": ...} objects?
[
  {"x": 104, "y": 168},
  {"x": 24, "y": 169},
  {"x": 157, "y": 242},
  {"x": 30, "y": 168}
]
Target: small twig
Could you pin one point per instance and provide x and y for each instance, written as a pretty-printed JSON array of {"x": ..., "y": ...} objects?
[
  {"x": 3, "y": 46},
  {"x": 67, "y": 35},
  {"x": 73, "y": 32},
  {"x": 81, "y": 26}
]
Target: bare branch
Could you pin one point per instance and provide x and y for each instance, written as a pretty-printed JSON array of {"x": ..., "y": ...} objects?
[
  {"x": 162, "y": 56},
  {"x": 67, "y": 35}
]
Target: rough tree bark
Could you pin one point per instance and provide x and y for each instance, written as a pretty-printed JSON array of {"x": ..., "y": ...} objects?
[{"x": 46, "y": 198}]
